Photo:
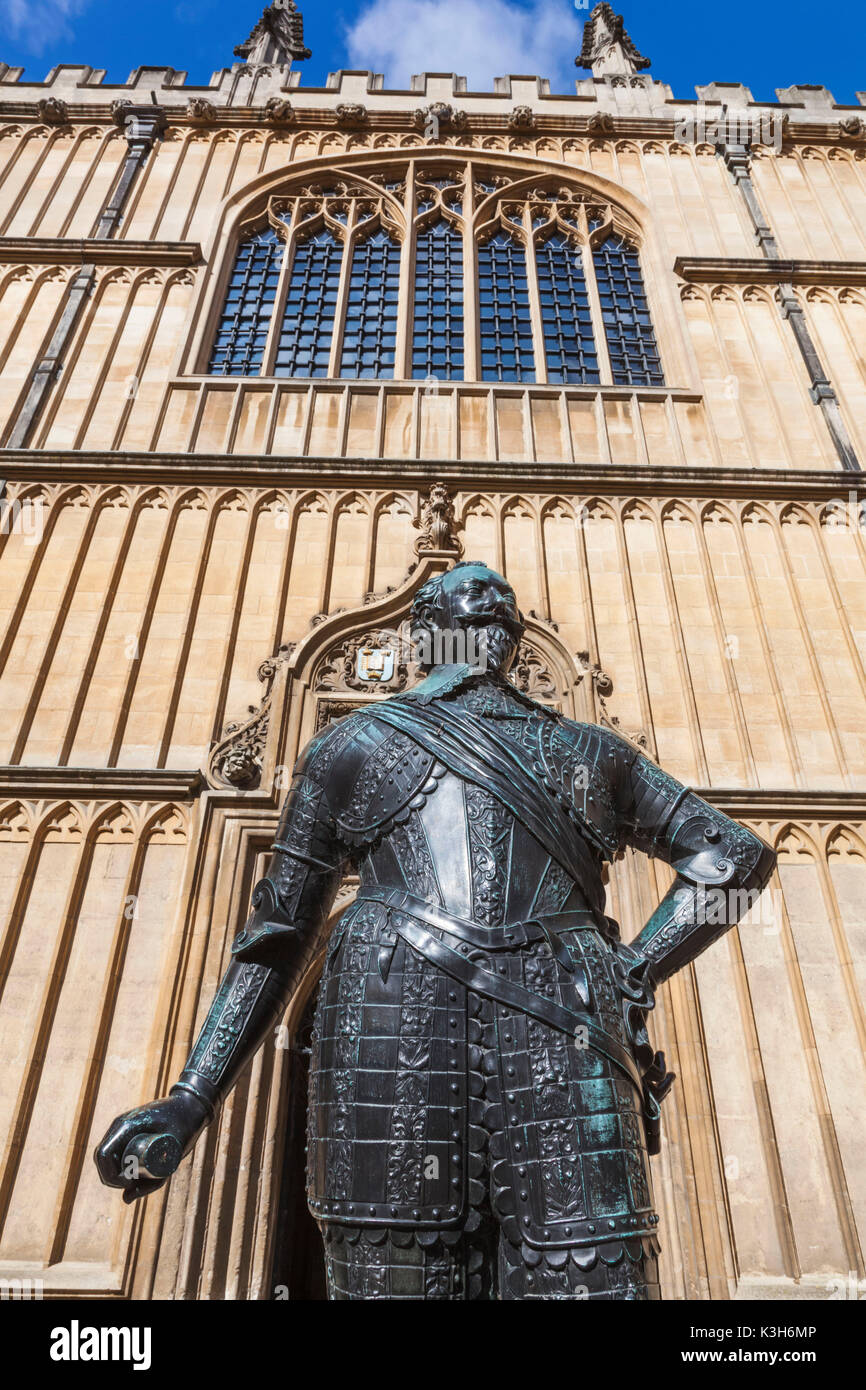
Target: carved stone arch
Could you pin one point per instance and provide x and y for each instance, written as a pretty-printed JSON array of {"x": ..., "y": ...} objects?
[
  {"x": 168, "y": 823},
  {"x": 519, "y": 506},
  {"x": 818, "y": 295},
  {"x": 553, "y": 505},
  {"x": 598, "y": 509},
  {"x": 275, "y": 499},
  {"x": 794, "y": 513},
  {"x": 394, "y": 496},
  {"x": 232, "y": 500},
  {"x": 756, "y": 294},
  {"x": 793, "y": 844},
  {"x": 717, "y": 511},
  {"x": 16, "y": 821},
  {"x": 477, "y": 504},
  {"x": 313, "y": 499},
  {"x": 754, "y": 513},
  {"x": 76, "y": 495},
  {"x": 678, "y": 510},
  {"x": 116, "y": 495},
  {"x": 61, "y": 821},
  {"x": 115, "y": 823},
  {"x": 352, "y": 502},
  {"x": 844, "y": 842},
  {"x": 46, "y": 493},
  {"x": 636, "y": 509},
  {"x": 192, "y": 499}
]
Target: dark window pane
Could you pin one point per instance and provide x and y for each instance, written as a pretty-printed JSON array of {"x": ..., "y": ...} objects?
[
  {"x": 630, "y": 339},
  {"x": 249, "y": 303}
]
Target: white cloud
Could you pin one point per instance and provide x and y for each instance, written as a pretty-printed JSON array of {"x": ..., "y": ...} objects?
[
  {"x": 38, "y": 23},
  {"x": 477, "y": 39}
]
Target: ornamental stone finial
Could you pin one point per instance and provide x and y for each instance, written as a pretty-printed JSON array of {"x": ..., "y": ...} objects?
[
  {"x": 277, "y": 38},
  {"x": 607, "y": 47}
]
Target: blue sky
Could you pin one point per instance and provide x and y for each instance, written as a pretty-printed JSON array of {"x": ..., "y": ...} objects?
[{"x": 765, "y": 46}]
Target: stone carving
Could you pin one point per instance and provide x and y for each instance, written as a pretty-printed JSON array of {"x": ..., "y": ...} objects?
[
  {"x": 343, "y": 668},
  {"x": 853, "y": 127},
  {"x": 351, "y": 114},
  {"x": 437, "y": 523},
  {"x": 236, "y": 761},
  {"x": 600, "y": 124},
  {"x": 200, "y": 110},
  {"x": 521, "y": 118},
  {"x": 52, "y": 111},
  {"x": 279, "y": 111},
  {"x": 532, "y": 676},
  {"x": 278, "y": 37},
  {"x": 607, "y": 46},
  {"x": 439, "y": 114}
]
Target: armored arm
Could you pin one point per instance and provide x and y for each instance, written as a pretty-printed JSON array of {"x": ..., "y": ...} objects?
[
  {"x": 272, "y": 951},
  {"x": 721, "y": 867},
  {"x": 269, "y": 956}
]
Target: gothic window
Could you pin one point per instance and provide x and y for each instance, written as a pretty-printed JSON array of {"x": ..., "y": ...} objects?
[
  {"x": 566, "y": 320},
  {"x": 634, "y": 358},
  {"x": 370, "y": 329},
  {"x": 304, "y": 346},
  {"x": 437, "y": 320},
  {"x": 503, "y": 311},
  {"x": 440, "y": 269},
  {"x": 243, "y": 328}
]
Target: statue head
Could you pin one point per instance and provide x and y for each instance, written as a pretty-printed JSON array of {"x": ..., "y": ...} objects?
[{"x": 468, "y": 614}]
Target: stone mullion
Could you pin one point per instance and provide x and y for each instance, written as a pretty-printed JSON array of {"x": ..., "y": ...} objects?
[
  {"x": 836, "y": 1178},
  {"x": 534, "y": 298},
  {"x": 471, "y": 323},
  {"x": 290, "y": 241},
  {"x": 56, "y": 185},
  {"x": 405, "y": 293},
  {"x": 23, "y": 147},
  {"x": 349, "y": 238},
  {"x": 605, "y": 371},
  {"x": 766, "y": 388}
]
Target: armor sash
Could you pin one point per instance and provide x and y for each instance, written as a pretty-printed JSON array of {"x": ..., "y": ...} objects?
[
  {"x": 476, "y": 753},
  {"x": 491, "y": 986}
]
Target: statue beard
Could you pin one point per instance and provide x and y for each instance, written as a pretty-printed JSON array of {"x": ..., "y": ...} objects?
[{"x": 497, "y": 647}]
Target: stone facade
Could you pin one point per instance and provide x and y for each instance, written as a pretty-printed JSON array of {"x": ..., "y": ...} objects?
[{"x": 186, "y": 559}]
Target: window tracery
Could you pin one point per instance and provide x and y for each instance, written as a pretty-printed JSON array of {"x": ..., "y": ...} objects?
[{"x": 442, "y": 271}]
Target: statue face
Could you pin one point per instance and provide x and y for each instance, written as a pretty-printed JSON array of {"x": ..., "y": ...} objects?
[{"x": 475, "y": 596}]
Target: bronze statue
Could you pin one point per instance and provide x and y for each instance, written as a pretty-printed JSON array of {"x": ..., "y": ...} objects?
[{"x": 483, "y": 1093}]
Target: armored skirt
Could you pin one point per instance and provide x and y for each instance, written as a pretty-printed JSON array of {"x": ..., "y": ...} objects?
[{"x": 459, "y": 1145}]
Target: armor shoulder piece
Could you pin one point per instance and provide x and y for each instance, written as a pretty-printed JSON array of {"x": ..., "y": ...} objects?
[
  {"x": 584, "y": 765},
  {"x": 384, "y": 776}
]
